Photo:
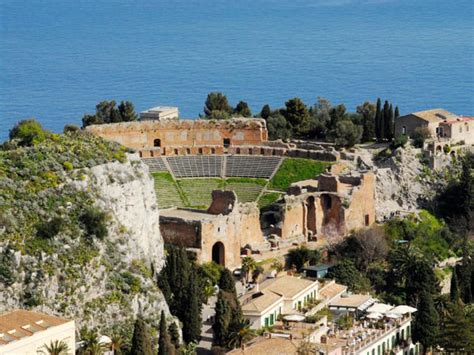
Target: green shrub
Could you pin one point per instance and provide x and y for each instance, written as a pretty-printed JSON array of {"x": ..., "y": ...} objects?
[
  {"x": 420, "y": 135},
  {"x": 68, "y": 166},
  {"x": 49, "y": 229},
  {"x": 446, "y": 148},
  {"x": 94, "y": 223},
  {"x": 6, "y": 273},
  {"x": 28, "y": 133},
  {"x": 399, "y": 141}
]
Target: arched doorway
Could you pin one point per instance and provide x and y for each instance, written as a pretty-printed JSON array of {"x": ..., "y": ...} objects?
[
  {"x": 218, "y": 253},
  {"x": 157, "y": 143},
  {"x": 311, "y": 214}
]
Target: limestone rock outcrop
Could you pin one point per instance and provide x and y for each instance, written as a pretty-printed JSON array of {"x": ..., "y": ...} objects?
[{"x": 110, "y": 280}]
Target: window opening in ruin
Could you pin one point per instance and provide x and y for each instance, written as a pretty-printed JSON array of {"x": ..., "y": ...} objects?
[
  {"x": 226, "y": 142},
  {"x": 157, "y": 143},
  {"x": 151, "y": 153},
  {"x": 262, "y": 151},
  {"x": 200, "y": 151},
  {"x": 140, "y": 154},
  {"x": 176, "y": 152},
  {"x": 273, "y": 152},
  {"x": 238, "y": 151},
  {"x": 367, "y": 220},
  {"x": 213, "y": 151},
  {"x": 404, "y": 130},
  {"x": 250, "y": 151},
  {"x": 327, "y": 202},
  {"x": 188, "y": 151},
  {"x": 218, "y": 253}
]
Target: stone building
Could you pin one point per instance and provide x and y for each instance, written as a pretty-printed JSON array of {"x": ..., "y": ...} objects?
[
  {"x": 217, "y": 234},
  {"x": 442, "y": 124},
  {"x": 184, "y": 137},
  {"x": 332, "y": 205}
]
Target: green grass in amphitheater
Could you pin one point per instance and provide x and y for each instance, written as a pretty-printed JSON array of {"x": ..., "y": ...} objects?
[
  {"x": 294, "y": 170},
  {"x": 167, "y": 192},
  {"x": 196, "y": 192}
]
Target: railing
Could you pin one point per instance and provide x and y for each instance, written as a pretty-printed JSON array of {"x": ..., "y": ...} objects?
[{"x": 374, "y": 337}]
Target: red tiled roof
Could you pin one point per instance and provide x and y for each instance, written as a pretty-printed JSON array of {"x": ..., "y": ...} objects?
[{"x": 457, "y": 120}]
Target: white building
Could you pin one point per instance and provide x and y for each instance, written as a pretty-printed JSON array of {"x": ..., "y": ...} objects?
[
  {"x": 25, "y": 332},
  {"x": 283, "y": 295},
  {"x": 159, "y": 113},
  {"x": 296, "y": 292},
  {"x": 262, "y": 308}
]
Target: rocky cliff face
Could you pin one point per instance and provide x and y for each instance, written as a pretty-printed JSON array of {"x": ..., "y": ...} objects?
[
  {"x": 101, "y": 283},
  {"x": 403, "y": 183}
]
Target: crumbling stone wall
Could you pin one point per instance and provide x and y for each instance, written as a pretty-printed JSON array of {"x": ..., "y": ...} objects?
[
  {"x": 165, "y": 137},
  {"x": 341, "y": 204},
  {"x": 227, "y": 221}
]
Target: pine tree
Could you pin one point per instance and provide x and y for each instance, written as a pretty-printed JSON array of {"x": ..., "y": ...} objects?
[
  {"x": 192, "y": 317},
  {"x": 127, "y": 111},
  {"x": 378, "y": 120},
  {"x": 454, "y": 290},
  {"x": 165, "y": 347},
  {"x": 141, "y": 342},
  {"x": 425, "y": 326}
]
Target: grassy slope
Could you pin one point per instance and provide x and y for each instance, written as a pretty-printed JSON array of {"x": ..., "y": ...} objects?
[{"x": 296, "y": 169}]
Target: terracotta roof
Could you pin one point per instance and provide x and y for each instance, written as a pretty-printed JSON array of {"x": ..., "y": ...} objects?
[
  {"x": 261, "y": 302},
  {"x": 20, "y": 323},
  {"x": 458, "y": 120},
  {"x": 265, "y": 346},
  {"x": 332, "y": 290},
  {"x": 287, "y": 286},
  {"x": 435, "y": 115}
]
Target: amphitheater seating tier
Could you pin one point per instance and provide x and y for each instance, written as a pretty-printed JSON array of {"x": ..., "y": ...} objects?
[
  {"x": 251, "y": 166},
  {"x": 196, "y": 166},
  {"x": 155, "y": 165}
]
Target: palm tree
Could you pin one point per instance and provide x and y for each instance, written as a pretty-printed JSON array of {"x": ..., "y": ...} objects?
[
  {"x": 92, "y": 346},
  {"x": 248, "y": 266},
  {"x": 56, "y": 348},
  {"x": 118, "y": 342},
  {"x": 241, "y": 335}
]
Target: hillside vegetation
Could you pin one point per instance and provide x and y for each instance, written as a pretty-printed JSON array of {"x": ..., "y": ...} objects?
[{"x": 68, "y": 240}]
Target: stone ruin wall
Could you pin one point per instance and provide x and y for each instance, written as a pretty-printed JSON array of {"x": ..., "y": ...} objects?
[
  {"x": 342, "y": 204},
  {"x": 232, "y": 223},
  {"x": 179, "y": 134}
]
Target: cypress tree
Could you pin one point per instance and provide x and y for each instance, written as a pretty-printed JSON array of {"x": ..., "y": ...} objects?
[
  {"x": 192, "y": 315},
  {"x": 174, "y": 334},
  {"x": 386, "y": 119},
  {"x": 164, "y": 342},
  {"x": 378, "y": 119},
  {"x": 425, "y": 326},
  {"x": 390, "y": 124},
  {"x": 454, "y": 289},
  {"x": 397, "y": 112},
  {"x": 266, "y": 112},
  {"x": 242, "y": 109},
  {"x": 221, "y": 320},
  {"x": 226, "y": 282},
  {"x": 141, "y": 342}
]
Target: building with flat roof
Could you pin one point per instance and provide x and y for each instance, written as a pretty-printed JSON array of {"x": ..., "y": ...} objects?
[
  {"x": 159, "y": 113},
  {"x": 27, "y": 332}
]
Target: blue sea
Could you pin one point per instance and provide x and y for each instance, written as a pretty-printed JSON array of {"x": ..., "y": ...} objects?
[{"x": 58, "y": 58}]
